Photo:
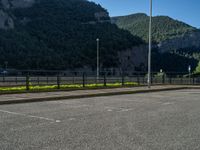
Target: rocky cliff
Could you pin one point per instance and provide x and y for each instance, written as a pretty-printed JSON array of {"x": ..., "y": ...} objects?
[
  {"x": 185, "y": 41},
  {"x": 7, "y": 18},
  {"x": 9, "y": 4},
  {"x": 61, "y": 34}
]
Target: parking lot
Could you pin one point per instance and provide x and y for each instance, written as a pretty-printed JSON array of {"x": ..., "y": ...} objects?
[{"x": 152, "y": 121}]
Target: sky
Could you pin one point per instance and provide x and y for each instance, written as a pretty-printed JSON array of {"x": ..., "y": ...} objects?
[{"x": 184, "y": 10}]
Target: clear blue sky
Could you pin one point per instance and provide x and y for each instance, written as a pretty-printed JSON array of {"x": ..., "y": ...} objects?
[{"x": 183, "y": 10}]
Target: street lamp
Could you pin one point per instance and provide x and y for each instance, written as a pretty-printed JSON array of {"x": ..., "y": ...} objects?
[
  {"x": 97, "y": 59},
  {"x": 149, "y": 54},
  {"x": 189, "y": 70}
]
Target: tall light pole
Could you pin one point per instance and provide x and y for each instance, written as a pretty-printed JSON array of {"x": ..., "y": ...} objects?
[
  {"x": 97, "y": 59},
  {"x": 189, "y": 70},
  {"x": 149, "y": 54}
]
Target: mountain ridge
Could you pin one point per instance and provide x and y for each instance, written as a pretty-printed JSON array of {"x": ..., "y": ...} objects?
[
  {"x": 173, "y": 40},
  {"x": 56, "y": 34},
  {"x": 163, "y": 27}
]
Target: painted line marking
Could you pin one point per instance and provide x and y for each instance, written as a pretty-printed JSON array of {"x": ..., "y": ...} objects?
[
  {"x": 109, "y": 110},
  {"x": 168, "y": 103},
  {"x": 72, "y": 119},
  {"x": 30, "y": 116},
  {"x": 125, "y": 110}
]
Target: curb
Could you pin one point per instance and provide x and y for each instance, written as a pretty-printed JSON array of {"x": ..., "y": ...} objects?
[{"x": 56, "y": 98}]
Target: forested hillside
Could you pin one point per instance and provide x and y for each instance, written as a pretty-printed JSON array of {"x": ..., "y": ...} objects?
[
  {"x": 176, "y": 43},
  {"x": 172, "y": 62},
  {"x": 61, "y": 34},
  {"x": 163, "y": 27}
]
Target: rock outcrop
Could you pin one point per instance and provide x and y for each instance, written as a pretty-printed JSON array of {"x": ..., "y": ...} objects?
[
  {"x": 8, "y": 4},
  {"x": 185, "y": 41},
  {"x": 6, "y": 21},
  {"x": 6, "y": 18}
]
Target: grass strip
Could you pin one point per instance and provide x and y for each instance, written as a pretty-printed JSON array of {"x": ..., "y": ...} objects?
[{"x": 43, "y": 88}]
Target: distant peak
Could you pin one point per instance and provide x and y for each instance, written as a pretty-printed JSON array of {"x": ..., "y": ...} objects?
[
  {"x": 138, "y": 14},
  {"x": 134, "y": 15}
]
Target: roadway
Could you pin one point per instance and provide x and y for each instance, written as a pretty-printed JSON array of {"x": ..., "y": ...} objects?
[{"x": 151, "y": 121}]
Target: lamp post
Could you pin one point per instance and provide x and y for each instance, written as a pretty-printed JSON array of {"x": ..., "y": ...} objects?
[
  {"x": 149, "y": 53},
  {"x": 97, "y": 59},
  {"x": 189, "y": 70}
]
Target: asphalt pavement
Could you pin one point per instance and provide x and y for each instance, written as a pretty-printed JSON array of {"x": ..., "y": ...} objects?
[
  {"x": 62, "y": 95},
  {"x": 167, "y": 120}
]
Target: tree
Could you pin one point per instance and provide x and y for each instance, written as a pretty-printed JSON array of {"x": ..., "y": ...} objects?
[
  {"x": 197, "y": 70},
  {"x": 58, "y": 35}
]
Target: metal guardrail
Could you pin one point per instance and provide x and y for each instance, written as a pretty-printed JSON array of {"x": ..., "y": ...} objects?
[{"x": 59, "y": 80}]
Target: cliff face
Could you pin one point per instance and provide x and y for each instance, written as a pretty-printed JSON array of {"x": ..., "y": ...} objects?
[
  {"x": 61, "y": 34},
  {"x": 6, "y": 18},
  {"x": 185, "y": 41},
  {"x": 6, "y": 21},
  {"x": 9, "y": 4}
]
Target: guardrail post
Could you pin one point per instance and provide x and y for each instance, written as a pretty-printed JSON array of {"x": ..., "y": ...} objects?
[
  {"x": 193, "y": 80},
  {"x": 143, "y": 80},
  {"x": 104, "y": 79},
  {"x": 73, "y": 79},
  {"x": 27, "y": 82},
  {"x": 83, "y": 79},
  {"x": 3, "y": 78},
  {"x": 58, "y": 81},
  {"x": 138, "y": 79},
  {"x": 181, "y": 80},
  {"x": 163, "y": 79},
  {"x": 170, "y": 79},
  {"x": 38, "y": 80},
  {"x": 16, "y": 79},
  {"x": 122, "y": 79},
  {"x": 47, "y": 80}
]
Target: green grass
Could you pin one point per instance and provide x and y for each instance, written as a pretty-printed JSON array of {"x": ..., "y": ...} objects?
[{"x": 63, "y": 87}]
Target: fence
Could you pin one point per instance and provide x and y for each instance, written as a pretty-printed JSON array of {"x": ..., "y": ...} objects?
[{"x": 85, "y": 79}]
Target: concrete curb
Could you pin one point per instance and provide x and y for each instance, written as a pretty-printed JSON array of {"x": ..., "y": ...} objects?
[{"x": 56, "y": 98}]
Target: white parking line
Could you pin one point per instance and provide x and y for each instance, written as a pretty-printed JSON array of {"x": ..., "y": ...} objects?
[
  {"x": 168, "y": 103},
  {"x": 125, "y": 110},
  {"x": 30, "y": 116},
  {"x": 109, "y": 110}
]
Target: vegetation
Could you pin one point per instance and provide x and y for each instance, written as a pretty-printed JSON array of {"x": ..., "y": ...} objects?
[
  {"x": 190, "y": 52},
  {"x": 197, "y": 70},
  {"x": 163, "y": 27},
  {"x": 61, "y": 34},
  {"x": 171, "y": 62},
  {"x": 63, "y": 87}
]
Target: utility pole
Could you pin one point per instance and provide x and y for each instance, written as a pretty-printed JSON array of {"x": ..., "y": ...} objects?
[
  {"x": 97, "y": 59},
  {"x": 150, "y": 46}
]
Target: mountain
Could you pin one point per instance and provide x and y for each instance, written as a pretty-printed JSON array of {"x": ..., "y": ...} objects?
[
  {"x": 163, "y": 27},
  {"x": 171, "y": 39},
  {"x": 60, "y": 34}
]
